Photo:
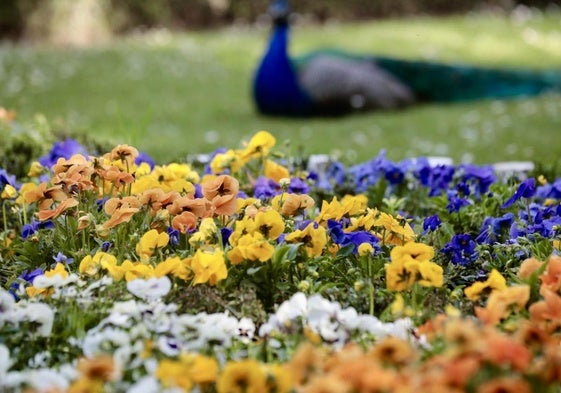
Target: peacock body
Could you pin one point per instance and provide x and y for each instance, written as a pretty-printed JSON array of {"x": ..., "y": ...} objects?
[{"x": 332, "y": 82}]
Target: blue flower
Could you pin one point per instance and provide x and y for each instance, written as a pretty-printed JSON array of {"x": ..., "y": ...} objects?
[
  {"x": 480, "y": 176},
  {"x": 34, "y": 226},
  {"x": 105, "y": 246},
  {"x": 144, "y": 157},
  {"x": 225, "y": 234},
  {"x": 455, "y": 203},
  {"x": 173, "y": 236},
  {"x": 461, "y": 249},
  {"x": 298, "y": 186},
  {"x": 526, "y": 189},
  {"x": 62, "y": 149},
  {"x": 61, "y": 258},
  {"x": 6, "y": 179},
  {"x": 430, "y": 224},
  {"x": 265, "y": 188}
]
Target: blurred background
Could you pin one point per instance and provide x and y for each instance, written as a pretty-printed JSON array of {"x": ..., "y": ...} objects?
[
  {"x": 88, "y": 21},
  {"x": 173, "y": 77}
]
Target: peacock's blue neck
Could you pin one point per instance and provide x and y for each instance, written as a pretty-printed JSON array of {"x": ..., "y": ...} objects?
[{"x": 276, "y": 87}]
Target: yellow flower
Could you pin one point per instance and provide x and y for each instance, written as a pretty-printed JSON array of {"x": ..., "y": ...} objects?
[
  {"x": 275, "y": 171},
  {"x": 269, "y": 223},
  {"x": 207, "y": 233},
  {"x": 150, "y": 242},
  {"x": 396, "y": 232},
  {"x": 90, "y": 265},
  {"x": 254, "y": 247},
  {"x": 365, "y": 249},
  {"x": 223, "y": 161},
  {"x": 9, "y": 192},
  {"x": 172, "y": 373},
  {"x": 136, "y": 270},
  {"x": 313, "y": 237},
  {"x": 59, "y": 269},
  {"x": 330, "y": 210},
  {"x": 398, "y": 276},
  {"x": 171, "y": 265},
  {"x": 244, "y": 376},
  {"x": 244, "y": 226},
  {"x": 208, "y": 266},
  {"x": 279, "y": 378},
  {"x": 259, "y": 145},
  {"x": 417, "y": 251},
  {"x": 495, "y": 281},
  {"x": 432, "y": 275},
  {"x": 35, "y": 169},
  {"x": 202, "y": 369}
]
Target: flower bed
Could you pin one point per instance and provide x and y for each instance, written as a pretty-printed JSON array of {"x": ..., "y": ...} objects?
[{"x": 254, "y": 273}]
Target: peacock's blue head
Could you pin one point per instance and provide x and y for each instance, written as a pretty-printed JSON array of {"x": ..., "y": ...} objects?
[{"x": 276, "y": 89}]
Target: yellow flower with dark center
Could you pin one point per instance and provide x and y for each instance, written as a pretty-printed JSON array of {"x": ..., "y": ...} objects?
[
  {"x": 90, "y": 265},
  {"x": 394, "y": 231},
  {"x": 229, "y": 160},
  {"x": 258, "y": 146},
  {"x": 399, "y": 276},
  {"x": 244, "y": 226},
  {"x": 150, "y": 242},
  {"x": 313, "y": 237},
  {"x": 208, "y": 266},
  {"x": 410, "y": 250},
  {"x": 495, "y": 281},
  {"x": 269, "y": 223},
  {"x": 279, "y": 378},
  {"x": 255, "y": 247},
  {"x": 244, "y": 376}
]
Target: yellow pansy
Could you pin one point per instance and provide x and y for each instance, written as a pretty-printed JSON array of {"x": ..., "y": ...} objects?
[
  {"x": 150, "y": 242},
  {"x": 269, "y": 223},
  {"x": 314, "y": 238},
  {"x": 259, "y": 145},
  {"x": 90, "y": 265},
  {"x": 275, "y": 171},
  {"x": 208, "y": 266},
  {"x": 495, "y": 281},
  {"x": 9, "y": 192},
  {"x": 411, "y": 250},
  {"x": 255, "y": 247}
]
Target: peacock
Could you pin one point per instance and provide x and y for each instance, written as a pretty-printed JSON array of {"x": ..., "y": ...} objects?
[{"x": 334, "y": 82}]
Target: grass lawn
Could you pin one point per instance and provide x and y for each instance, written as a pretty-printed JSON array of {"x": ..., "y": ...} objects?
[{"x": 173, "y": 95}]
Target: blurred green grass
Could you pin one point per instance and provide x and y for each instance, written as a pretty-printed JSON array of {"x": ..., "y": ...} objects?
[{"x": 172, "y": 95}]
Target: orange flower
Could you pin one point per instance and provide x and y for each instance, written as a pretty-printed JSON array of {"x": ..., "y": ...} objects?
[
  {"x": 500, "y": 303},
  {"x": 45, "y": 196},
  {"x": 61, "y": 208},
  {"x": 152, "y": 198},
  {"x": 222, "y": 192},
  {"x": 503, "y": 350},
  {"x": 124, "y": 153},
  {"x": 184, "y": 222},
  {"x": 292, "y": 204},
  {"x": 116, "y": 176},
  {"x": 512, "y": 384},
  {"x": 120, "y": 215},
  {"x": 393, "y": 351},
  {"x": 197, "y": 206},
  {"x": 114, "y": 204},
  {"x": 551, "y": 277},
  {"x": 529, "y": 267},
  {"x": 547, "y": 312}
]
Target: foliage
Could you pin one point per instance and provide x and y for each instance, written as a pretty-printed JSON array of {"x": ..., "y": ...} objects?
[{"x": 256, "y": 271}]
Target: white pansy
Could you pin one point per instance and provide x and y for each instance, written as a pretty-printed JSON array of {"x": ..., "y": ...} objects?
[
  {"x": 296, "y": 306},
  {"x": 246, "y": 330},
  {"x": 55, "y": 280},
  {"x": 152, "y": 288},
  {"x": 148, "y": 384},
  {"x": 7, "y": 305},
  {"x": 47, "y": 380},
  {"x": 41, "y": 314},
  {"x": 5, "y": 362}
]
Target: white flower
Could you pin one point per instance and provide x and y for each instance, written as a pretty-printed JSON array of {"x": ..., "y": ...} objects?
[
  {"x": 153, "y": 288},
  {"x": 169, "y": 346},
  {"x": 46, "y": 380},
  {"x": 146, "y": 384},
  {"x": 42, "y": 314},
  {"x": 5, "y": 362},
  {"x": 296, "y": 306},
  {"x": 245, "y": 330},
  {"x": 55, "y": 280},
  {"x": 7, "y": 305}
]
